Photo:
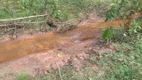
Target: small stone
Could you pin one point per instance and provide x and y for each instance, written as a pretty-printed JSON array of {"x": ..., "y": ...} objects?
[{"x": 77, "y": 41}]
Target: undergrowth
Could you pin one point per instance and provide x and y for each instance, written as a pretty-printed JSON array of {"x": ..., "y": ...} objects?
[
  {"x": 59, "y": 9},
  {"x": 23, "y": 76},
  {"x": 65, "y": 11}
]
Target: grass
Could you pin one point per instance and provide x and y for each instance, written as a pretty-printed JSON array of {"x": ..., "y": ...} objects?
[
  {"x": 23, "y": 76},
  {"x": 123, "y": 65},
  {"x": 60, "y": 9},
  {"x": 67, "y": 72}
]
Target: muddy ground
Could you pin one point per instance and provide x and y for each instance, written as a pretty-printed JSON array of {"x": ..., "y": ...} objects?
[{"x": 38, "y": 64}]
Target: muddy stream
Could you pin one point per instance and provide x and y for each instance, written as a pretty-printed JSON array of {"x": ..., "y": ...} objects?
[{"x": 19, "y": 48}]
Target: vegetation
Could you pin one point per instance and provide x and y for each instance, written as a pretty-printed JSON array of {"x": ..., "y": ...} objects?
[
  {"x": 23, "y": 76},
  {"x": 123, "y": 65},
  {"x": 125, "y": 9},
  {"x": 60, "y": 11}
]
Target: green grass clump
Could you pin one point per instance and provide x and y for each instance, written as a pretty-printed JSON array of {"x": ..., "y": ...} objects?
[
  {"x": 65, "y": 73},
  {"x": 23, "y": 76}
]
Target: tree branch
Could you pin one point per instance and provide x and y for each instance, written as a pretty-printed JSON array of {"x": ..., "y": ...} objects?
[{"x": 21, "y": 18}]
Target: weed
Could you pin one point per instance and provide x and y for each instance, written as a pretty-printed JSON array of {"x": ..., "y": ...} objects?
[{"x": 23, "y": 76}]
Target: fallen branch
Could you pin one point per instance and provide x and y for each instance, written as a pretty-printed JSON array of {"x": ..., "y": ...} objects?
[
  {"x": 30, "y": 22},
  {"x": 20, "y": 23},
  {"x": 67, "y": 23},
  {"x": 21, "y": 18},
  {"x": 6, "y": 25}
]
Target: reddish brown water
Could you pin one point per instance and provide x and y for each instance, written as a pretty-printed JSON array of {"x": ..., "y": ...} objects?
[{"x": 15, "y": 49}]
